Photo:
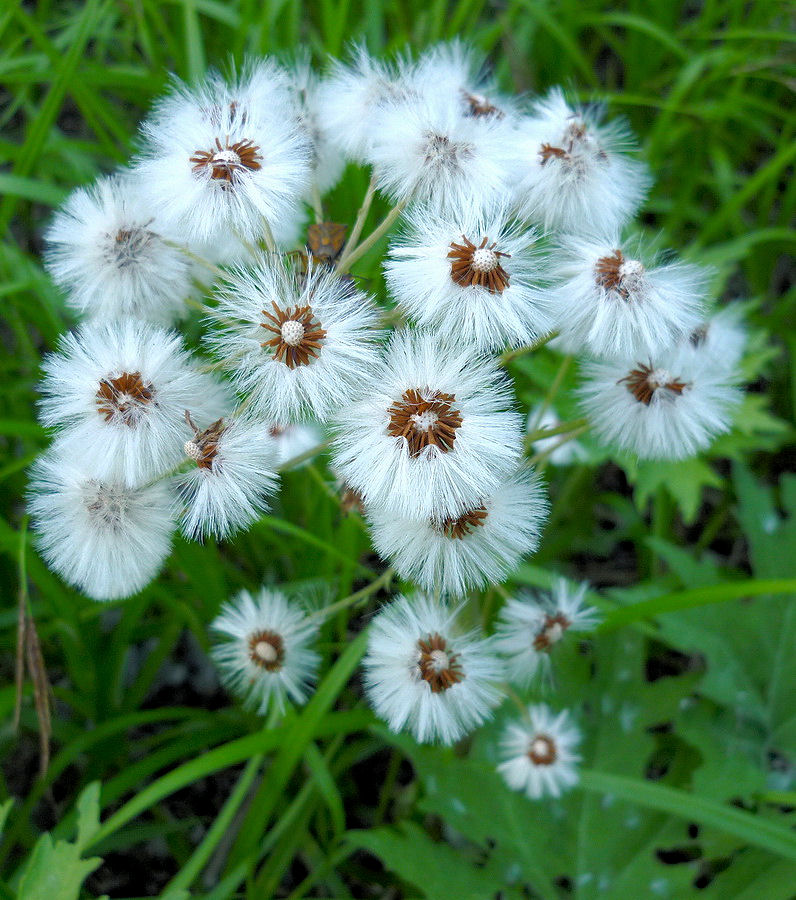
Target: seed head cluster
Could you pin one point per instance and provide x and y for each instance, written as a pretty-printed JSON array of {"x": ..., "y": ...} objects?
[{"x": 511, "y": 230}]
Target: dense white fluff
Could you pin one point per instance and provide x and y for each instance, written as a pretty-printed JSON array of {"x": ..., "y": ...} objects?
[
  {"x": 531, "y": 624},
  {"x": 294, "y": 440},
  {"x": 431, "y": 482},
  {"x": 427, "y": 150},
  {"x": 482, "y": 547},
  {"x": 691, "y": 400},
  {"x": 539, "y": 754},
  {"x": 514, "y": 310},
  {"x": 352, "y": 94},
  {"x": 105, "y": 248},
  {"x": 119, "y": 391},
  {"x": 223, "y": 157},
  {"x": 234, "y": 476},
  {"x": 266, "y": 654},
  {"x": 557, "y": 450},
  {"x": 424, "y": 676},
  {"x": 455, "y": 73},
  {"x": 104, "y": 538},
  {"x": 336, "y": 369},
  {"x": 609, "y": 303},
  {"x": 327, "y": 160},
  {"x": 720, "y": 338},
  {"x": 572, "y": 173}
]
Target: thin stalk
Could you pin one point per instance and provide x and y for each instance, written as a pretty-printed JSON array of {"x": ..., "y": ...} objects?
[
  {"x": 509, "y": 355},
  {"x": 382, "y": 581},
  {"x": 317, "y": 203},
  {"x": 387, "y": 222},
  {"x": 359, "y": 223},
  {"x": 303, "y": 457},
  {"x": 541, "y": 434},
  {"x": 195, "y": 257},
  {"x": 268, "y": 238},
  {"x": 538, "y": 458}
]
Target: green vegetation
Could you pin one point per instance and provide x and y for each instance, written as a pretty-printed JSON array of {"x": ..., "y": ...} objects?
[{"x": 686, "y": 689}]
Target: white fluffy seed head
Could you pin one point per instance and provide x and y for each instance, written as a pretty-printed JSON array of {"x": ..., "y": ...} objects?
[
  {"x": 266, "y": 652},
  {"x": 538, "y": 753},
  {"x": 442, "y": 697}
]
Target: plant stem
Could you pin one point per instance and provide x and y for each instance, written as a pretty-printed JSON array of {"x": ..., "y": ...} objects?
[
  {"x": 195, "y": 257},
  {"x": 382, "y": 581},
  {"x": 359, "y": 224},
  {"x": 539, "y": 458},
  {"x": 347, "y": 260},
  {"x": 303, "y": 457},
  {"x": 509, "y": 355},
  {"x": 541, "y": 434},
  {"x": 317, "y": 203}
]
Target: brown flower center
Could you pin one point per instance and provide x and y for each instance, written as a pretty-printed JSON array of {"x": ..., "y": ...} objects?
[
  {"x": 542, "y": 751},
  {"x": 204, "y": 447},
  {"x": 479, "y": 106},
  {"x": 478, "y": 265},
  {"x": 298, "y": 333},
  {"x": 618, "y": 273},
  {"x": 123, "y": 399},
  {"x": 425, "y": 417},
  {"x": 551, "y": 632},
  {"x": 575, "y": 134},
  {"x": 644, "y": 382},
  {"x": 437, "y": 664},
  {"x": 267, "y": 650},
  {"x": 464, "y": 525},
  {"x": 227, "y": 161}
]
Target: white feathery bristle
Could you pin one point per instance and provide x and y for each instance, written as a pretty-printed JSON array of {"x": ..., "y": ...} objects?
[
  {"x": 438, "y": 692},
  {"x": 265, "y": 652}
]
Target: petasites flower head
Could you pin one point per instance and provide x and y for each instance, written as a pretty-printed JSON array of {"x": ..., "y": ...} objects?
[
  {"x": 611, "y": 303},
  {"x": 456, "y": 73},
  {"x": 326, "y": 159},
  {"x": 472, "y": 276},
  {"x": 426, "y": 150},
  {"x": 434, "y": 433},
  {"x": 299, "y": 344},
  {"x": 531, "y": 625},
  {"x": 118, "y": 392},
  {"x": 423, "y": 675},
  {"x": 572, "y": 173},
  {"x": 222, "y": 157},
  {"x": 538, "y": 753},
  {"x": 113, "y": 257},
  {"x": 667, "y": 407},
  {"x": 266, "y": 650},
  {"x": 234, "y": 476},
  {"x": 352, "y": 94},
  {"x": 103, "y": 537},
  {"x": 720, "y": 338},
  {"x": 482, "y": 546}
]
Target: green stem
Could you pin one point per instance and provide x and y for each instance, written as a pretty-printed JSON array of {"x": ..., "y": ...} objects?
[
  {"x": 541, "y": 434},
  {"x": 303, "y": 457},
  {"x": 509, "y": 355},
  {"x": 387, "y": 222},
  {"x": 539, "y": 458},
  {"x": 359, "y": 224},
  {"x": 317, "y": 203},
  {"x": 195, "y": 257},
  {"x": 382, "y": 581}
]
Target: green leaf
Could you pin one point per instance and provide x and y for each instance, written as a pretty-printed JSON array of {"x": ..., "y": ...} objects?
[
  {"x": 684, "y": 481},
  {"x": 54, "y": 868}
]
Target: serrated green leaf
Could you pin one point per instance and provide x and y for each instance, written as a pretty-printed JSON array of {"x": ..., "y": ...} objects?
[{"x": 684, "y": 481}]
